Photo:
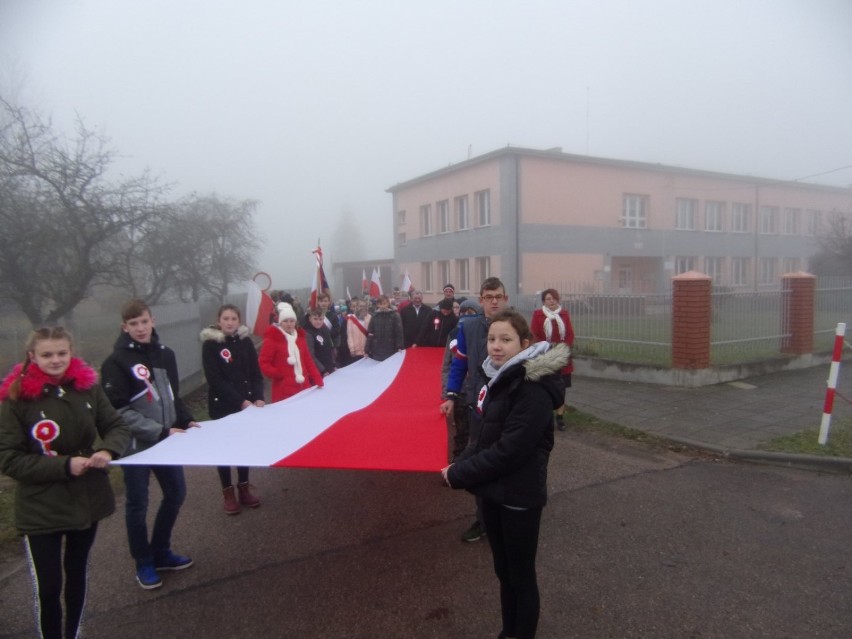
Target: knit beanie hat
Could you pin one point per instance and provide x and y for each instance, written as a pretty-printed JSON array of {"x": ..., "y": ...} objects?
[
  {"x": 468, "y": 305},
  {"x": 285, "y": 311}
]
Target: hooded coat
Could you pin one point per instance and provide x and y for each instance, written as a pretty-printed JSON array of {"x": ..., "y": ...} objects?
[
  {"x": 506, "y": 463},
  {"x": 142, "y": 383},
  {"x": 78, "y": 416},
  {"x": 231, "y": 369},
  {"x": 276, "y": 363}
]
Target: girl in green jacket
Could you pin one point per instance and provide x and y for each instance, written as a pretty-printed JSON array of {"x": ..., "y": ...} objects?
[{"x": 58, "y": 433}]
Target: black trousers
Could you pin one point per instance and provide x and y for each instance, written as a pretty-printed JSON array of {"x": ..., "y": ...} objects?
[
  {"x": 46, "y": 566},
  {"x": 225, "y": 475},
  {"x": 513, "y": 536}
]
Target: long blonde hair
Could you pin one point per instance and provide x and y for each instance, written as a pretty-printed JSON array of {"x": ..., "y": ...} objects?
[{"x": 38, "y": 335}]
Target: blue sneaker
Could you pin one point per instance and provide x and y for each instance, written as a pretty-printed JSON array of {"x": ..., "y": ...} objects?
[
  {"x": 148, "y": 577},
  {"x": 172, "y": 561}
]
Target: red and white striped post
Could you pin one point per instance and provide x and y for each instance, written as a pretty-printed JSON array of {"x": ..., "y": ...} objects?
[{"x": 832, "y": 383}]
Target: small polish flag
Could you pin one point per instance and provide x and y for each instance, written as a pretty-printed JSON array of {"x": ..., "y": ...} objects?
[
  {"x": 375, "y": 284},
  {"x": 259, "y": 307}
]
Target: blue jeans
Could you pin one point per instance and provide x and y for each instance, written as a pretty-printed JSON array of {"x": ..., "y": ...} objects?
[{"x": 173, "y": 485}]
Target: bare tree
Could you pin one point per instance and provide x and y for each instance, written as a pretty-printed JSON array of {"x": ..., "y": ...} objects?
[
  {"x": 224, "y": 244},
  {"x": 197, "y": 247},
  {"x": 61, "y": 218},
  {"x": 835, "y": 255}
]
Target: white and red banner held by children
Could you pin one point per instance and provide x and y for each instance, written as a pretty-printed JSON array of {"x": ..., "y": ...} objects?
[{"x": 370, "y": 415}]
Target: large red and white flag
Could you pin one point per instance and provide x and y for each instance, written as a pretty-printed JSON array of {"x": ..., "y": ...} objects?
[
  {"x": 370, "y": 415},
  {"x": 375, "y": 284},
  {"x": 319, "y": 283},
  {"x": 259, "y": 307}
]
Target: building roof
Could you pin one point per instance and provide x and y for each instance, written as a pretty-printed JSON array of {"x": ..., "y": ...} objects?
[{"x": 556, "y": 154}]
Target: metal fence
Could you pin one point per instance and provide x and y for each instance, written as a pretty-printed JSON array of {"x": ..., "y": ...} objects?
[{"x": 746, "y": 325}]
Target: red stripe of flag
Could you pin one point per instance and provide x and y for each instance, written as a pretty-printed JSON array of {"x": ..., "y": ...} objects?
[{"x": 402, "y": 430}]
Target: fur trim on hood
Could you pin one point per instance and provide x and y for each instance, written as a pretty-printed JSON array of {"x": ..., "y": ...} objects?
[
  {"x": 551, "y": 361},
  {"x": 215, "y": 334},
  {"x": 80, "y": 376}
]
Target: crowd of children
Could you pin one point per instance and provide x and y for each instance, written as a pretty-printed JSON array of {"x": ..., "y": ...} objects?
[{"x": 59, "y": 428}]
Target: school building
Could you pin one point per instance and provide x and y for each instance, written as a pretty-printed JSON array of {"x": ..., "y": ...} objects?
[{"x": 538, "y": 218}]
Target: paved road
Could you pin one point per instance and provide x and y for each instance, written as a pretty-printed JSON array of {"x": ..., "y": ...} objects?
[{"x": 635, "y": 543}]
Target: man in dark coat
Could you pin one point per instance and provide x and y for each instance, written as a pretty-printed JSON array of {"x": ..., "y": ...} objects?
[{"x": 414, "y": 316}]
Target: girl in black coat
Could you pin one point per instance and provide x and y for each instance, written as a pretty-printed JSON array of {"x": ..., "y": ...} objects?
[
  {"x": 234, "y": 382},
  {"x": 506, "y": 465}
]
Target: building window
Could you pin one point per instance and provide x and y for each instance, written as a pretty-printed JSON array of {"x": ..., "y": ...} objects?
[
  {"x": 400, "y": 217},
  {"x": 444, "y": 272},
  {"x": 684, "y": 264},
  {"x": 426, "y": 276},
  {"x": 769, "y": 220},
  {"x": 713, "y": 268},
  {"x": 634, "y": 214},
  {"x": 790, "y": 224},
  {"x": 790, "y": 265},
  {"x": 739, "y": 271},
  {"x": 400, "y": 239},
  {"x": 462, "y": 213},
  {"x": 813, "y": 219},
  {"x": 443, "y": 216},
  {"x": 739, "y": 217},
  {"x": 483, "y": 208},
  {"x": 714, "y": 216},
  {"x": 625, "y": 279},
  {"x": 483, "y": 270},
  {"x": 766, "y": 273},
  {"x": 687, "y": 211},
  {"x": 426, "y": 220},
  {"x": 463, "y": 272}
]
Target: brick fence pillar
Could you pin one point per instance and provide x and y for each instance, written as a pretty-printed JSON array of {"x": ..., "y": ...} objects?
[
  {"x": 691, "y": 320},
  {"x": 797, "y": 314}
]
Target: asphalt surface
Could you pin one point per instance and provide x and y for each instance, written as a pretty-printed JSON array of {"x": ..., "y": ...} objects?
[{"x": 636, "y": 541}]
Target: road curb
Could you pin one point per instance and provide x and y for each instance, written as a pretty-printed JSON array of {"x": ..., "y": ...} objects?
[{"x": 838, "y": 465}]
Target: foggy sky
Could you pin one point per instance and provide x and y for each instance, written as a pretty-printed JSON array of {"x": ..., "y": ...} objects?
[{"x": 316, "y": 107}]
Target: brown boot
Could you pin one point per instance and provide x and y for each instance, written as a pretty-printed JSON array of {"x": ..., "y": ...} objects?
[
  {"x": 232, "y": 507},
  {"x": 246, "y": 498}
]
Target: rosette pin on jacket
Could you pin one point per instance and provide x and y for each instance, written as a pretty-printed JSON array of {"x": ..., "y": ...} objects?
[{"x": 507, "y": 463}]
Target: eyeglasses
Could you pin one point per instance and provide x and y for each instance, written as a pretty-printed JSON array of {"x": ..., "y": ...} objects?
[{"x": 494, "y": 298}]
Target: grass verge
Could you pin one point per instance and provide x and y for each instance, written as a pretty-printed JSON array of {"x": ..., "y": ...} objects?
[{"x": 839, "y": 442}]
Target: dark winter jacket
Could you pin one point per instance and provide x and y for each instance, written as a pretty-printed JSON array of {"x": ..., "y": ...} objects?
[
  {"x": 332, "y": 323},
  {"x": 79, "y": 417},
  {"x": 384, "y": 335},
  {"x": 142, "y": 383},
  {"x": 507, "y": 461},
  {"x": 413, "y": 322},
  {"x": 231, "y": 369},
  {"x": 436, "y": 329},
  {"x": 322, "y": 347},
  {"x": 470, "y": 351}
]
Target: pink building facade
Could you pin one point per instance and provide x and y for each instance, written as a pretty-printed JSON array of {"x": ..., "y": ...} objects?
[{"x": 535, "y": 218}]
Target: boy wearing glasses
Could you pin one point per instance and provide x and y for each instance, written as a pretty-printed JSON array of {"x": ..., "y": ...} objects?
[{"x": 470, "y": 352}]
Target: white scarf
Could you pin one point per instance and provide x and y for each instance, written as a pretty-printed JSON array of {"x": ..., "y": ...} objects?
[
  {"x": 553, "y": 316},
  {"x": 295, "y": 357}
]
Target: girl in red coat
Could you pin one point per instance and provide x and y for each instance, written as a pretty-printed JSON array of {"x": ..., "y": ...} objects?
[
  {"x": 551, "y": 323},
  {"x": 285, "y": 359}
]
